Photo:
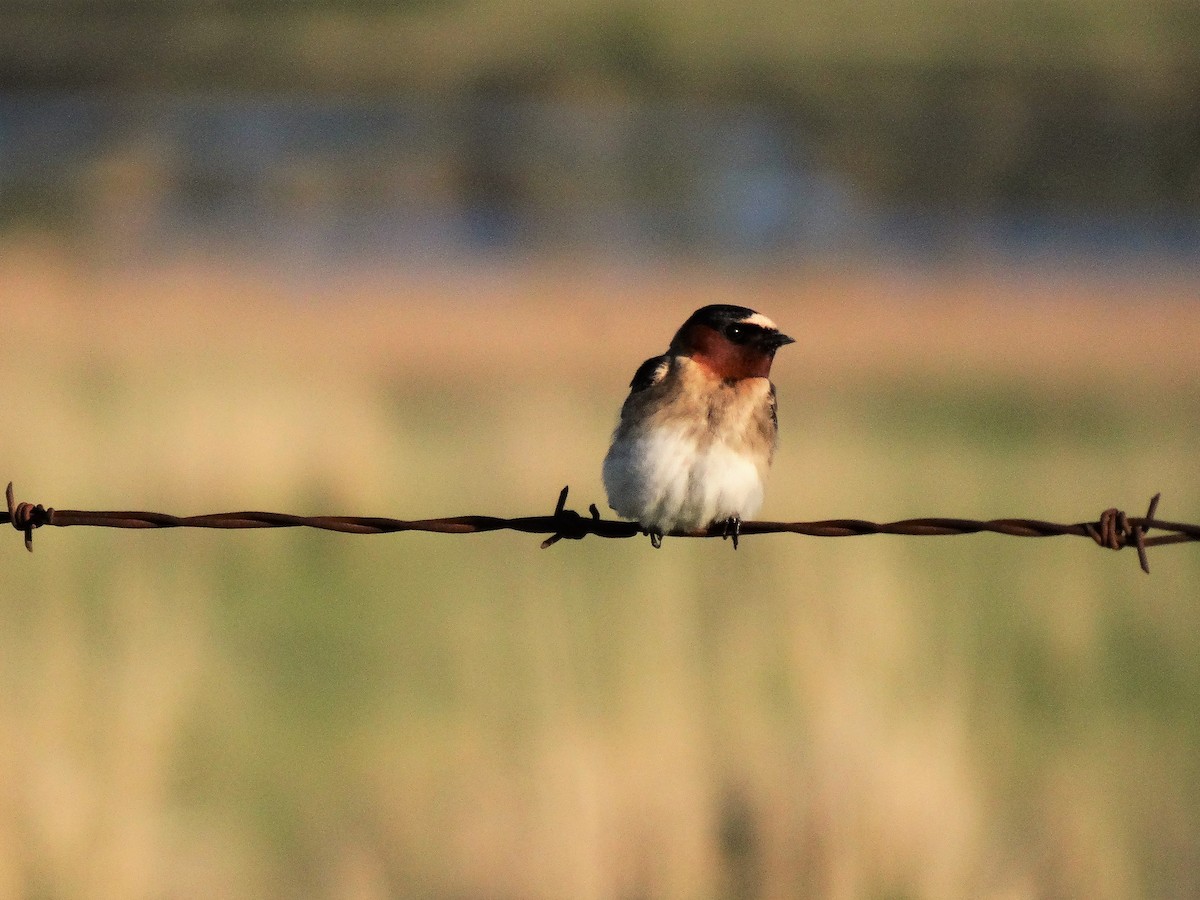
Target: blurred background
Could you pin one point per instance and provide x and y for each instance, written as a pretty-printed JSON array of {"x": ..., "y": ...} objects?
[{"x": 402, "y": 259}]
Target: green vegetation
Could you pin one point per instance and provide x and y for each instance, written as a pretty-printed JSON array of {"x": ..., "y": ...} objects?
[
  {"x": 1063, "y": 106},
  {"x": 277, "y": 713}
]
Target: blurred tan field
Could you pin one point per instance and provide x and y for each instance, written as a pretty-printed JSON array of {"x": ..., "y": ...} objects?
[{"x": 285, "y": 714}]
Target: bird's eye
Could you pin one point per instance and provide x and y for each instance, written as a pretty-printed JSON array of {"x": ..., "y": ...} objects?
[{"x": 739, "y": 334}]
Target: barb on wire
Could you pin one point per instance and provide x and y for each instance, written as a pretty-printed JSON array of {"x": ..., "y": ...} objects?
[{"x": 1114, "y": 529}]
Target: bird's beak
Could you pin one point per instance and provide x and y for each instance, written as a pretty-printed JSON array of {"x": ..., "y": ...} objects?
[{"x": 777, "y": 340}]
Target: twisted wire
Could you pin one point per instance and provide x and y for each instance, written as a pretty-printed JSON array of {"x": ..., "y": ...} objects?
[{"x": 1113, "y": 530}]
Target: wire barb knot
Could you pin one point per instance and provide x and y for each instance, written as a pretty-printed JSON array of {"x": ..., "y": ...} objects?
[
  {"x": 570, "y": 525},
  {"x": 26, "y": 516},
  {"x": 1115, "y": 531},
  {"x": 1112, "y": 531}
]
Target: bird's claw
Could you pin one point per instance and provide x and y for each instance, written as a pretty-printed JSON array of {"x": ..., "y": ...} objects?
[{"x": 733, "y": 528}]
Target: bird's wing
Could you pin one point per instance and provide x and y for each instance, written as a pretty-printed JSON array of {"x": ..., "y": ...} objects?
[
  {"x": 774, "y": 409},
  {"x": 649, "y": 373}
]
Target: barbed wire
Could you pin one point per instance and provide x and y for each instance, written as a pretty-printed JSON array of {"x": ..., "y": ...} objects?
[{"x": 1114, "y": 529}]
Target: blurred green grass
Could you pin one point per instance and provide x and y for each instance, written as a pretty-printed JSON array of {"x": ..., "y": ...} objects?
[{"x": 278, "y": 713}]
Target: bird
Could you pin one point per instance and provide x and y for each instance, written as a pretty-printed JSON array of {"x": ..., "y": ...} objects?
[{"x": 697, "y": 432}]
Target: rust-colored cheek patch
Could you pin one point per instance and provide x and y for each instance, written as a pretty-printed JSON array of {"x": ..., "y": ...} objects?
[{"x": 727, "y": 360}]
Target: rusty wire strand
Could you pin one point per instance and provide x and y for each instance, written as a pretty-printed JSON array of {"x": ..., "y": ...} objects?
[{"x": 1114, "y": 529}]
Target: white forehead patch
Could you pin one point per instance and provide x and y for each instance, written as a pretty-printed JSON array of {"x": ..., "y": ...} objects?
[{"x": 761, "y": 320}]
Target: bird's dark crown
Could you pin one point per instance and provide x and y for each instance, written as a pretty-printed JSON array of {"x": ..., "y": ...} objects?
[
  {"x": 738, "y": 325},
  {"x": 719, "y": 315}
]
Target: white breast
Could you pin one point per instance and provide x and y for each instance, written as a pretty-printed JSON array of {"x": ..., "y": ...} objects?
[{"x": 664, "y": 480}]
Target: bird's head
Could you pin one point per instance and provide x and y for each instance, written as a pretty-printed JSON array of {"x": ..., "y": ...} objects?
[{"x": 732, "y": 342}]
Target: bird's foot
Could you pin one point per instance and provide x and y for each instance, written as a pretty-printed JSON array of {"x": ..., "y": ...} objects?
[
  {"x": 656, "y": 537},
  {"x": 733, "y": 528}
]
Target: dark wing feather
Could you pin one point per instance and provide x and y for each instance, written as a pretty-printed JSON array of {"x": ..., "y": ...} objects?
[
  {"x": 649, "y": 373},
  {"x": 774, "y": 408}
]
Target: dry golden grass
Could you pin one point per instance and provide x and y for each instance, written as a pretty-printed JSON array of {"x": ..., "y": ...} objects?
[
  {"x": 285, "y": 714},
  {"x": 572, "y": 321}
]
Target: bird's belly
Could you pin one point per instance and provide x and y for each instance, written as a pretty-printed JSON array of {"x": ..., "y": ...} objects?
[{"x": 668, "y": 480}]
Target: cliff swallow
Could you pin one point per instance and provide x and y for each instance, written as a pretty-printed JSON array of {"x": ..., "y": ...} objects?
[{"x": 697, "y": 432}]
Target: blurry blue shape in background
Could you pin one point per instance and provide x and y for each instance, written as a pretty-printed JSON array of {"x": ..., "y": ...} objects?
[{"x": 422, "y": 181}]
